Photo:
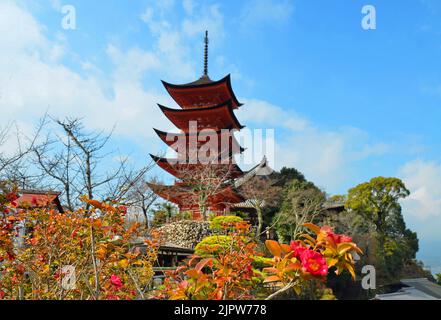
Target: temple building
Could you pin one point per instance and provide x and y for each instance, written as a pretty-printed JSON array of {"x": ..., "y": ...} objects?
[
  {"x": 37, "y": 199},
  {"x": 204, "y": 168}
]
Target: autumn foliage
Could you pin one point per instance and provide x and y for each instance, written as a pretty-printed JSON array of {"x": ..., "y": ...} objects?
[
  {"x": 309, "y": 259},
  {"x": 225, "y": 272},
  {"x": 39, "y": 247},
  {"x": 40, "y": 250}
]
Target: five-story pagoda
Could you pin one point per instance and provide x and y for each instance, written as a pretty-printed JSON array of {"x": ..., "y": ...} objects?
[{"x": 205, "y": 147}]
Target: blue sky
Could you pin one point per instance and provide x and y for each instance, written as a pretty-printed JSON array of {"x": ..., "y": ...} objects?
[{"x": 347, "y": 104}]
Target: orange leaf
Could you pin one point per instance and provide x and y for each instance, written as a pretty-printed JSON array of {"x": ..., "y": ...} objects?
[
  {"x": 274, "y": 247},
  {"x": 292, "y": 267},
  {"x": 312, "y": 227},
  {"x": 286, "y": 248},
  {"x": 331, "y": 262},
  {"x": 344, "y": 247},
  {"x": 95, "y": 203},
  {"x": 310, "y": 240},
  {"x": 272, "y": 279},
  {"x": 192, "y": 273},
  {"x": 271, "y": 270}
]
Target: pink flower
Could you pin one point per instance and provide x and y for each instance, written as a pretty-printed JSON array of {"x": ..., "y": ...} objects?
[
  {"x": 333, "y": 237},
  {"x": 298, "y": 248},
  {"x": 344, "y": 238},
  {"x": 327, "y": 229},
  {"x": 313, "y": 263},
  {"x": 339, "y": 238},
  {"x": 116, "y": 281}
]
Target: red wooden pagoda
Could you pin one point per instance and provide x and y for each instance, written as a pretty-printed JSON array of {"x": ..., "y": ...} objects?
[{"x": 207, "y": 113}]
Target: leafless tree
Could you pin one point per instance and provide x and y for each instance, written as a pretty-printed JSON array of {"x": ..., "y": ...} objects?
[
  {"x": 140, "y": 197},
  {"x": 14, "y": 166},
  {"x": 203, "y": 182},
  {"x": 260, "y": 193},
  {"x": 302, "y": 203},
  {"x": 72, "y": 160}
]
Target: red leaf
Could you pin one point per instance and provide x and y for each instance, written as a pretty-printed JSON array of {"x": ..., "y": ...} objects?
[{"x": 201, "y": 264}]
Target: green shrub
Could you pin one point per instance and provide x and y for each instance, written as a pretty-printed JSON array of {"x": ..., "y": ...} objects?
[
  {"x": 261, "y": 262},
  {"x": 242, "y": 215},
  {"x": 213, "y": 245},
  {"x": 218, "y": 223}
]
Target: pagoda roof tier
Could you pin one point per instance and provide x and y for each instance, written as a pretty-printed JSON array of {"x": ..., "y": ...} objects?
[
  {"x": 203, "y": 92},
  {"x": 183, "y": 197},
  {"x": 216, "y": 117},
  {"x": 180, "y": 142},
  {"x": 184, "y": 170}
]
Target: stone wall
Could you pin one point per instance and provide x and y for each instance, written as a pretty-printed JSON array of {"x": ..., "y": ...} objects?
[{"x": 184, "y": 234}]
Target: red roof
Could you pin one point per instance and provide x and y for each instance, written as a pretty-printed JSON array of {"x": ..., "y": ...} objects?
[
  {"x": 216, "y": 117},
  {"x": 38, "y": 199},
  {"x": 180, "y": 142},
  {"x": 203, "y": 93},
  {"x": 182, "y": 170}
]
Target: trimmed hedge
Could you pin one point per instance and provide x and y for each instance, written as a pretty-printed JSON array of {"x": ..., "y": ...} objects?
[
  {"x": 213, "y": 245},
  {"x": 217, "y": 222}
]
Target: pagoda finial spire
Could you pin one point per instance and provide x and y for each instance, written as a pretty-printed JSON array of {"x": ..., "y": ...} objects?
[{"x": 206, "y": 54}]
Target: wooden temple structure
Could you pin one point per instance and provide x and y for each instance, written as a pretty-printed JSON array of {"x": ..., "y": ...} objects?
[
  {"x": 34, "y": 199},
  {"x": 205, "y": 119}
]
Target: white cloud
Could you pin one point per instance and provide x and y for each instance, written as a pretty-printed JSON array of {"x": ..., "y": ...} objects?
[
  {"x": 18, "y": 29},
  {"x": 423, "y": 179},
  {"x": 262, "y": 112},
  {"x": 327, "y": 157},
  {"x": 133, "y": 64},
  {"x": 33, "y": 82},
  {"x": 207, "y": 18},
  {"x": 172, "y": 37}
]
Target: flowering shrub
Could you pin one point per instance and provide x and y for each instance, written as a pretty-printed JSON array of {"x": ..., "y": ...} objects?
[
  {"x": 225, "y": 274},
  {"x": 99, "y": 247},
  {"x": 222, "y": 267},
  {"x": 93, "y": 242},
  {"x": 309, "y": 259}
]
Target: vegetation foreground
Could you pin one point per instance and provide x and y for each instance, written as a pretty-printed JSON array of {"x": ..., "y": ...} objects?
[{"x": 96, "y": 253}]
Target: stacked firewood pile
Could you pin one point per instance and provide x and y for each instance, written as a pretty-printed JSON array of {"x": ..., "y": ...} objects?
[{"x": 184, "y": 234}]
